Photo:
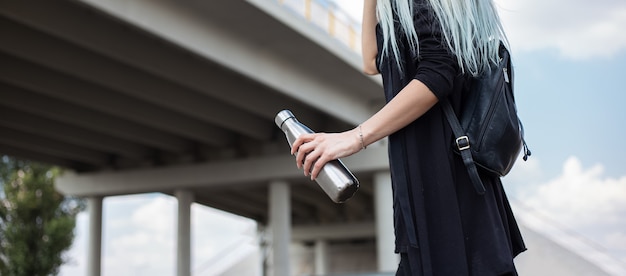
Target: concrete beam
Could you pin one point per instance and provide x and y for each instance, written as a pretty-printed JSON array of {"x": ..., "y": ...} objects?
[
  {"x": 334, "y": 232},
  {"x": 98, "y": 97},
  {"x": 20, "y": 139},
  {"x": 312, "y": 32},
  {"x": 57, "y": 23},
  {"x": 207, "y": 175},
  {"x": 29, "y": 153},
  {"x": 173, "y": 66},
  {"x": 254, "y": 212},
  {"x": 74, "y": 115},
  {"x": 51, "y": 129},
  {"x": 193, "y": 27}
]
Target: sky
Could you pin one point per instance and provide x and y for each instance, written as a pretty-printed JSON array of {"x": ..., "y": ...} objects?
[{"x": 569, "y": 59}]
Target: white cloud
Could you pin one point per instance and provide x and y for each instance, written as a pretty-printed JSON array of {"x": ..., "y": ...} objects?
[
  {"x": 580, "y": 197},
  {"x": 156, "y": 216},
  {"x": 141, "y": 240},
  {"x": 523, "y": 176},
  {"x": 576, "y": 29},
  {"x": 580, "y": 208}
]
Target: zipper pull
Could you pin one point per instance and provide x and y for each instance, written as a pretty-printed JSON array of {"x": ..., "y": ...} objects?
[{"x": 506, "y": 74}]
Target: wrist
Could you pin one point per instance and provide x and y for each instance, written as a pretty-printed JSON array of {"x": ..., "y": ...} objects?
[{"x": 361, "y": 139}]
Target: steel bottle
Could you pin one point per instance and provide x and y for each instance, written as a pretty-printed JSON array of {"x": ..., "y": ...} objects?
[{"x": 334, "y": 178}]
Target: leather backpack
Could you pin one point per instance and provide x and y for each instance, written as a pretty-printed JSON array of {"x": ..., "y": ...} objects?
[{"x": 488, "y": 131}]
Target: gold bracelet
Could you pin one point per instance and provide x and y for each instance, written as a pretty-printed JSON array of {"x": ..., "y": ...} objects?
[{"x": 361, "y": 136}]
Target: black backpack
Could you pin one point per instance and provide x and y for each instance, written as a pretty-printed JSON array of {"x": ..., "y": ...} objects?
[{"x": 488, "y": 132}]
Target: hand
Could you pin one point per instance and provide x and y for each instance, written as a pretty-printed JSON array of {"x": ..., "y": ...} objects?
[{"x": 314, "y": 150}]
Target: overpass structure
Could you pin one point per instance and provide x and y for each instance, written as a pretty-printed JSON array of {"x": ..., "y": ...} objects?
[{"x": 179, "y": 97}]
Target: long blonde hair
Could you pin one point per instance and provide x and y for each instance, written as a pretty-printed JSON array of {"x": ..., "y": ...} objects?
[{"x": 471, "y": 28}]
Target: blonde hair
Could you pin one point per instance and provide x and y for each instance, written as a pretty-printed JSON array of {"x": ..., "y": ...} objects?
[{"x": 471, "y": 28}]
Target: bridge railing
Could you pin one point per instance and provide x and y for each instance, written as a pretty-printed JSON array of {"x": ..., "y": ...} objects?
[{"x": 329, "y": 17}]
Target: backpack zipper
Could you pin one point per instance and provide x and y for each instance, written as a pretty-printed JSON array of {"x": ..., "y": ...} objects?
[{"x": 492, "y": 107}]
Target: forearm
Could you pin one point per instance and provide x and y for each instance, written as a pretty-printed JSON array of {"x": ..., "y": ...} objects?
[
  {"x": 368, "y": 37},
  {"x": 408, "y": 105},
  {"x": 315, "y": 149}
]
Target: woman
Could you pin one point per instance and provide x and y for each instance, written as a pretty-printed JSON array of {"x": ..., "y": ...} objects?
[{"x": 427, "y": 50}]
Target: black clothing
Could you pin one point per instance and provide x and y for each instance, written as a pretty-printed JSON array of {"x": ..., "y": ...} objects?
[
  {"x": 442, "y": 226},
  {"x": 404, "y": 268}
]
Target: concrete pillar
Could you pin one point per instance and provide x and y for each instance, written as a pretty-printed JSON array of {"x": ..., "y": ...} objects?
[
  {"x": 280, "y": 225},
  {"x": 385, "y": 237},
  {"x": 94, "y": 255},
  {"x": 321, "y": 257},
  {"x": 183, "y": 253}
]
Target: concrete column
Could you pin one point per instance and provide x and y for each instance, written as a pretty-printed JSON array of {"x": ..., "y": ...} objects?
[
  {"x": 94, "y": 255},
  {"x": 321, "y": 257},
  {"x": 385, "y": 237},
  {"x": 280, "y": 225},
  {"x": 183, "y": 254}
]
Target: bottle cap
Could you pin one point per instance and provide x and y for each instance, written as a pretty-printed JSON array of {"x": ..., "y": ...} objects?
[{"x": 283, "y": 116}]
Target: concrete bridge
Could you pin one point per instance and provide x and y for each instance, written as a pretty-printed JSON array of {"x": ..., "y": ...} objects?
[{"x": 179, "y": 97}]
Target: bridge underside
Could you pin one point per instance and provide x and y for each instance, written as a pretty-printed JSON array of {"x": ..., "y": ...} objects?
[{"x": 111, "y": 88}]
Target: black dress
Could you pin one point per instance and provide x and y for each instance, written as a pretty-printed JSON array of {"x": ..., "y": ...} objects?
[{"x": 442, "y": 226}]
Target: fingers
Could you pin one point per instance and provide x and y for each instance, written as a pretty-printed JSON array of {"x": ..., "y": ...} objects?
[
  {"x": 304, "y": 155},
  {"x": 301, "y": 147},
  {"x": 296, "y": 144},
  {"x": 318, "y": 164},
  {"x": 313, "y": 162},
  {"x": 309, "y": 161},
  {"x": 313, "y": 151},
  {"x": 307, "y": 154},
  {"x": 302, "y": 139},
  {"x": 297, "y": 150}
]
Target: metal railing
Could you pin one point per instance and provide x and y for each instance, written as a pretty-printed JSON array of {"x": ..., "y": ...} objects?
[{"x": 329, "y": 17}]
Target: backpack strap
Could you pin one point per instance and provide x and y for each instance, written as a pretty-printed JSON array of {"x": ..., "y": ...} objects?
[{"x": 463, "y": 145}]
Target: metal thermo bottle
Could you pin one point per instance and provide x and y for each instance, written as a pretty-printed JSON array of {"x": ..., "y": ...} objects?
[{"x": 334, "y": 178}]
